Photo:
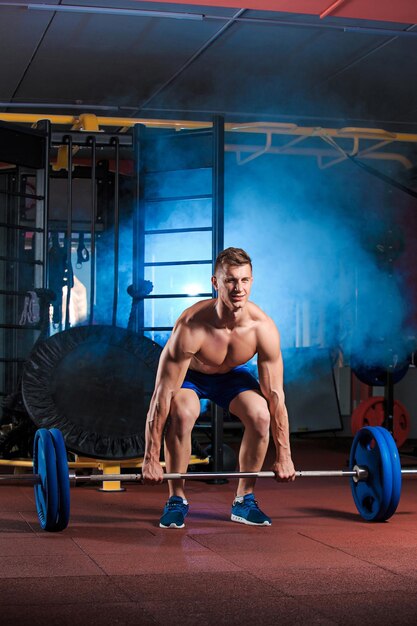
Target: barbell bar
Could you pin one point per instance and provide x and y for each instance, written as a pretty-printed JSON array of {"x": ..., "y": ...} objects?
[
  {"x": 374, "y": 470},
  {"x": 358, "y": 473}
]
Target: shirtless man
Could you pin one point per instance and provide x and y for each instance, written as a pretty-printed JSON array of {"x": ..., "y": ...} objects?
[{"x": 205, "y": 357}]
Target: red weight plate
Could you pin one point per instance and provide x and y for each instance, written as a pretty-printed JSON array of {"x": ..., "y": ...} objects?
[
  {"x": 371, "y": 412},
  {"x": 402, "y": 423},
  {"x": 363, "y": 415}
]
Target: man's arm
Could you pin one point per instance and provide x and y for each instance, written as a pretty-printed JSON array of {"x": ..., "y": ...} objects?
[
  {"x": 172, "y": 368},
  {"x": 271, "y": 379}
]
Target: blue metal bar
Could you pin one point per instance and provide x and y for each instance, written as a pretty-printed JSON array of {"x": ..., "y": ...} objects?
[
  {"x": 92, "y": 142},
  {"x": 177, "y": 295},
  {"x": 115, "y": 142},
  {"x": 168, "y": 263},
  {"x": 169, "y": 231},
  {"x": 30, "y": 229},
  {"x": 68, "y": 141},
  {"x": 203, "y": 196}
]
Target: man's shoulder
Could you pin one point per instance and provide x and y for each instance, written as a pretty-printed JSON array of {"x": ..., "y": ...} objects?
[
  {"x": 258, "y": 315},
  {"x": 195, "y": 315},
  {"x": 189, "y": 331},
  {"x": 267, "y": 333}
]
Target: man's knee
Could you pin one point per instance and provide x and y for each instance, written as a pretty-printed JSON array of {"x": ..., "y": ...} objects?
[
  {"x": 182, "y": 418},
  {"x": 260, "y": 420}
]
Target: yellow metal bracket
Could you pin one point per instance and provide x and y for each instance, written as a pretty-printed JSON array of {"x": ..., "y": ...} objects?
[
  {"x": 370, "y": 152},
  {"x": 257, "y": 154},
  {"x": 380, "y": 138},
  {"x": 377, "y": 137},
  {"x": 86, "y": 122},
  {"x": 61, "y": 162},
  {"x": 267, "y": 149}
]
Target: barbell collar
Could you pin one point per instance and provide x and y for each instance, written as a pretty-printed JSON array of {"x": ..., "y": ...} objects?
[{"x": 361, "y": 473}]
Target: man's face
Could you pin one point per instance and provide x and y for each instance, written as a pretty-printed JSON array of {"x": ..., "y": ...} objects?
[{"x": 233, "y": 284}]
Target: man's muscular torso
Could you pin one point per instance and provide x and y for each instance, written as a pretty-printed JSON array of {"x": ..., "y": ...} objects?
[{"x": 217, "y": 348}]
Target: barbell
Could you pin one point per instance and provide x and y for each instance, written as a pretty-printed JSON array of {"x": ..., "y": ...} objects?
[{"x": 375, "y": 475}]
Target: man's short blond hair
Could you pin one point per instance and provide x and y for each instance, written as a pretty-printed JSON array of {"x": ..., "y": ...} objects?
[{"x": 232, "y": 256}]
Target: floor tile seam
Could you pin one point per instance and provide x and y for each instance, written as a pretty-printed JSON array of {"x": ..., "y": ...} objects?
[
  {"x": 87, "y": 554},
  {"x": 192, "y": 537},
  {"x": 34, "y": 557},
  {"x": 32, "y": 530},
  {"x": 24, "y": 491},
  {"x": 307, "y": 596},
  {"x": 221, "y": 555},
  {"x": 147, "y": 551},
  {"x": 90, "y": 558},
  {"x": 268, "y": 584},
  {"x": 228, "y": 560},
  {"x": 354, "y": 556},
  {"x": 119, "y": 584}
]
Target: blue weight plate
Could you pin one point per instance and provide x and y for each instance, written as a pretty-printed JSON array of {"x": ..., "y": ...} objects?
[
  {"x": 373, "y": 496},
  {"x": 396, "y": 473},
  {"x": 46, "y": 492},
  {"x": 63, "y": 479}
]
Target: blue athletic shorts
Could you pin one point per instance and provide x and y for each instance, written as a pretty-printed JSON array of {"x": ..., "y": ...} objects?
[{"x": 221, "y": 388}]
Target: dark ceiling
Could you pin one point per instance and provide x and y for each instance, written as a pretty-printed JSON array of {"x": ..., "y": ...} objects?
[{"x": 246, "y": 64}]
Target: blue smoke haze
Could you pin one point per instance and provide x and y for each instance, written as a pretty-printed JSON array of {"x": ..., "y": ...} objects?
[{"x": 312, "y": 236}]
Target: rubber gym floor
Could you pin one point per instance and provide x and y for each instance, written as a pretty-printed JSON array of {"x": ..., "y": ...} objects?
[{"x": 319, "y": 562}]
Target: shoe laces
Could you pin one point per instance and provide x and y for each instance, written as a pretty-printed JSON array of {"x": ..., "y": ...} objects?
[
  {"x": 252, "y": 504},
  {"x": 176, "y": 505}
]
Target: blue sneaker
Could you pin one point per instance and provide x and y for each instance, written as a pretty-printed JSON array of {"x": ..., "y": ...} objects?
[
  {"x": 245, "y": 510},
  {"x": 174, "y": 513}
]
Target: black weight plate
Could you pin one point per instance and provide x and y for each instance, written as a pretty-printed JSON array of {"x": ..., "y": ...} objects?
[
  {"x": 377, "y": 376},
  {"x": 93, "y": 383}
]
